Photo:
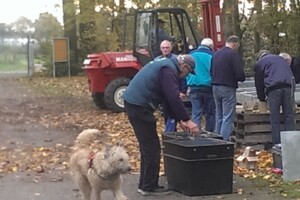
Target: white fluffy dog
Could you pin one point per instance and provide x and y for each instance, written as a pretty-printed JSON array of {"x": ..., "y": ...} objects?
[{"x": 97, "y": 170}]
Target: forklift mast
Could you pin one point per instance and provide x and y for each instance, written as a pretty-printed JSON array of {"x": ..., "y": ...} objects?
[{"x": 212, "y": 21}]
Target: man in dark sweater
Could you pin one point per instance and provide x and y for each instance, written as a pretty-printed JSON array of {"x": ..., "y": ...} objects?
[
  {"x": 294, "y": 63},
  {"x": 273, "y": 79},
  {"x": 227, "y": 69},
  {"x": 156, "y": 83}
]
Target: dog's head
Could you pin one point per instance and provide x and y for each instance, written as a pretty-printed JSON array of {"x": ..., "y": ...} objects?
[
  {"x": 118, "y": 158},
  {"x": 112, "y": 161}
]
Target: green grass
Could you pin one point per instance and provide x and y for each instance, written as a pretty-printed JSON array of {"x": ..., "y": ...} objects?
[
  {"x": 13, "y": 62},
  {"x": 288, "y": 190},
  {"x": 292, "y": 190}
]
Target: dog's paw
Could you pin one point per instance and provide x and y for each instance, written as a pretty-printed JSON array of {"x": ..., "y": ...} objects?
[{"x": 122, "y": 198}]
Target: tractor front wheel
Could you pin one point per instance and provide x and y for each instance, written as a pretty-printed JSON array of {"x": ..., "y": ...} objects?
[
  {"x": 114, "y": 92},
  {"x": 98, "y": 98}
]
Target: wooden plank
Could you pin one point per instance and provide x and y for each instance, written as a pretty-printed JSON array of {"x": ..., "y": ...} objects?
[
  {"x": 241, "y": 132},
  {"x": 257, "y": 128},
  {"x": 254, "y": 128},
  {"x": 254, "y": 138},
  {"x": 259, "y": 117},
  {"x": 252, "y": 117},
  {"x": 256, "y": 147}
]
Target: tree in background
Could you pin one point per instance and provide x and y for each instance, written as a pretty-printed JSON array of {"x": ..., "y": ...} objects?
[
  {"x": 22, "y": 26},
  {"x": 192, "y": 8},
  {"x": 97, "y": 26},
  {"x": 47, "y": 27},
  {"x": 231, "y": 18},
  {"x": 110, "y": 24},
  {"x": 87, "y": 27},
  {"x": 70, "y": 31},
  {"x": 13, "y": 46},
  {"x": 293, "y": 28},
  {"x": 258, "y": 12}
]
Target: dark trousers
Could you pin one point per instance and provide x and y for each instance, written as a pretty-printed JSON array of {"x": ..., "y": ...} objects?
[
  {"x": 276, "y": 98},
  {"x": 144, "y": 125}
]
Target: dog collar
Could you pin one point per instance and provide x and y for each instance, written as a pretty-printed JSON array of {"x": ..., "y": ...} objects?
[{"x": 91, "y": 159}]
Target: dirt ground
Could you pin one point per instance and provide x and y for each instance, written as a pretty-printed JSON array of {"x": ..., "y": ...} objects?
[{"x": 35, "y": 141}]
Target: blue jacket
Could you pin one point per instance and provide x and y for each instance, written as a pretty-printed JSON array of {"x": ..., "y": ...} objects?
[
  {"x": 172, "y": 56},
  {"x": 271, "y": 72},
  {"x": 202, "y": 56},
  {"x": 227, "y": 68},
  {"x": 157, "y": 83}
]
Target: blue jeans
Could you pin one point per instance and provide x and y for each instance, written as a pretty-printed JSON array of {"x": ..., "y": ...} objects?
[
  {"x": 225, "y": 100},
  {"x": 276, "y": 98},
  {"x": 202, "y": 101}
]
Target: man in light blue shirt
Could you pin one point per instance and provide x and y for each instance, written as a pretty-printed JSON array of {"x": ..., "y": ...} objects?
[{"x": 201, "y": 95}]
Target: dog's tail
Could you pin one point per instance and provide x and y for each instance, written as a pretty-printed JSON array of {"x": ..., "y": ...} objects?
[{"x": 87, "y": 137}]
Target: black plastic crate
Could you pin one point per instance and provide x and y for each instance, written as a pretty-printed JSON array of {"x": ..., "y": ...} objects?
[
  {"x": 197, "y": 167},
  {"x": 200, "y": 148},
  {"x": 184, "y": 135},
  {"x": 277, "y": 156}
]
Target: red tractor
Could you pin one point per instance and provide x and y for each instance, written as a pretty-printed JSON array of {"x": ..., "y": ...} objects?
[{"x": 110, "y": 73}]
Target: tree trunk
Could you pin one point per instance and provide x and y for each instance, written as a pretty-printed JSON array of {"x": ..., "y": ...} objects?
[
  {"x": 87, "y": 27},
  {"x": 257, "y": 43},
  {"x": 231, "y": 20},
  {"x": 118, "y": 22},
  {"x": 70, "y": 29}
]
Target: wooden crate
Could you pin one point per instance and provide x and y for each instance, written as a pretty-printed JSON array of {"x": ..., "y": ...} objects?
[
  {"x": 255, "y": 128},
  {"x": 258, "y": 117},
  {"x": 253, "y": 138},
  {"x": 248, "y": 128}
]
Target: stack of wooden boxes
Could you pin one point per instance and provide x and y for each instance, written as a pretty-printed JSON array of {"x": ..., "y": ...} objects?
[{"x": 253, "y": 128}]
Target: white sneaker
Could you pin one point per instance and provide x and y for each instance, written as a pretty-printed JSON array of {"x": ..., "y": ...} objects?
[{"x": 155, "y": 192}]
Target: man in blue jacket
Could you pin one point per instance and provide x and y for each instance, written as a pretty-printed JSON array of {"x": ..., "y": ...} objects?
[
  {"x": 156, "y": 83},
  {"x": 227, "y": 70},
  {"x": 273, "y": 81},
  {"x": 201, "y": 95}
]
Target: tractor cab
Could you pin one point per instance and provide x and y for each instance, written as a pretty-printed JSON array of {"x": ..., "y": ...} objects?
[
  {"x": 155, "y": 25},
  {"x": 109, "y": 73}
]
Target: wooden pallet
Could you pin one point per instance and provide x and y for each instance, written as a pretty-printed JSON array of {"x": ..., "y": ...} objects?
[
  {"x": 257, "y": 141},
  {"x": 258, "y": 127},
  {"x": 256, "y": 146},
  {"x": 258, "y": 117},
  {"x": 247, "y": 128},
  {"x": 253, "y": 138},
  {"x": 254, "y": 129}
]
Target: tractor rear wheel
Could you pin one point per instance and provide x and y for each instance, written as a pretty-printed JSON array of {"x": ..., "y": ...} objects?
[
  {"x": 98, "y": 98},
  {"x": 114, "y": 92}
]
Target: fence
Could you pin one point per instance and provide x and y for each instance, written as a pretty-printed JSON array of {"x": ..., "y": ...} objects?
[{"x": 16, "y": 56}]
